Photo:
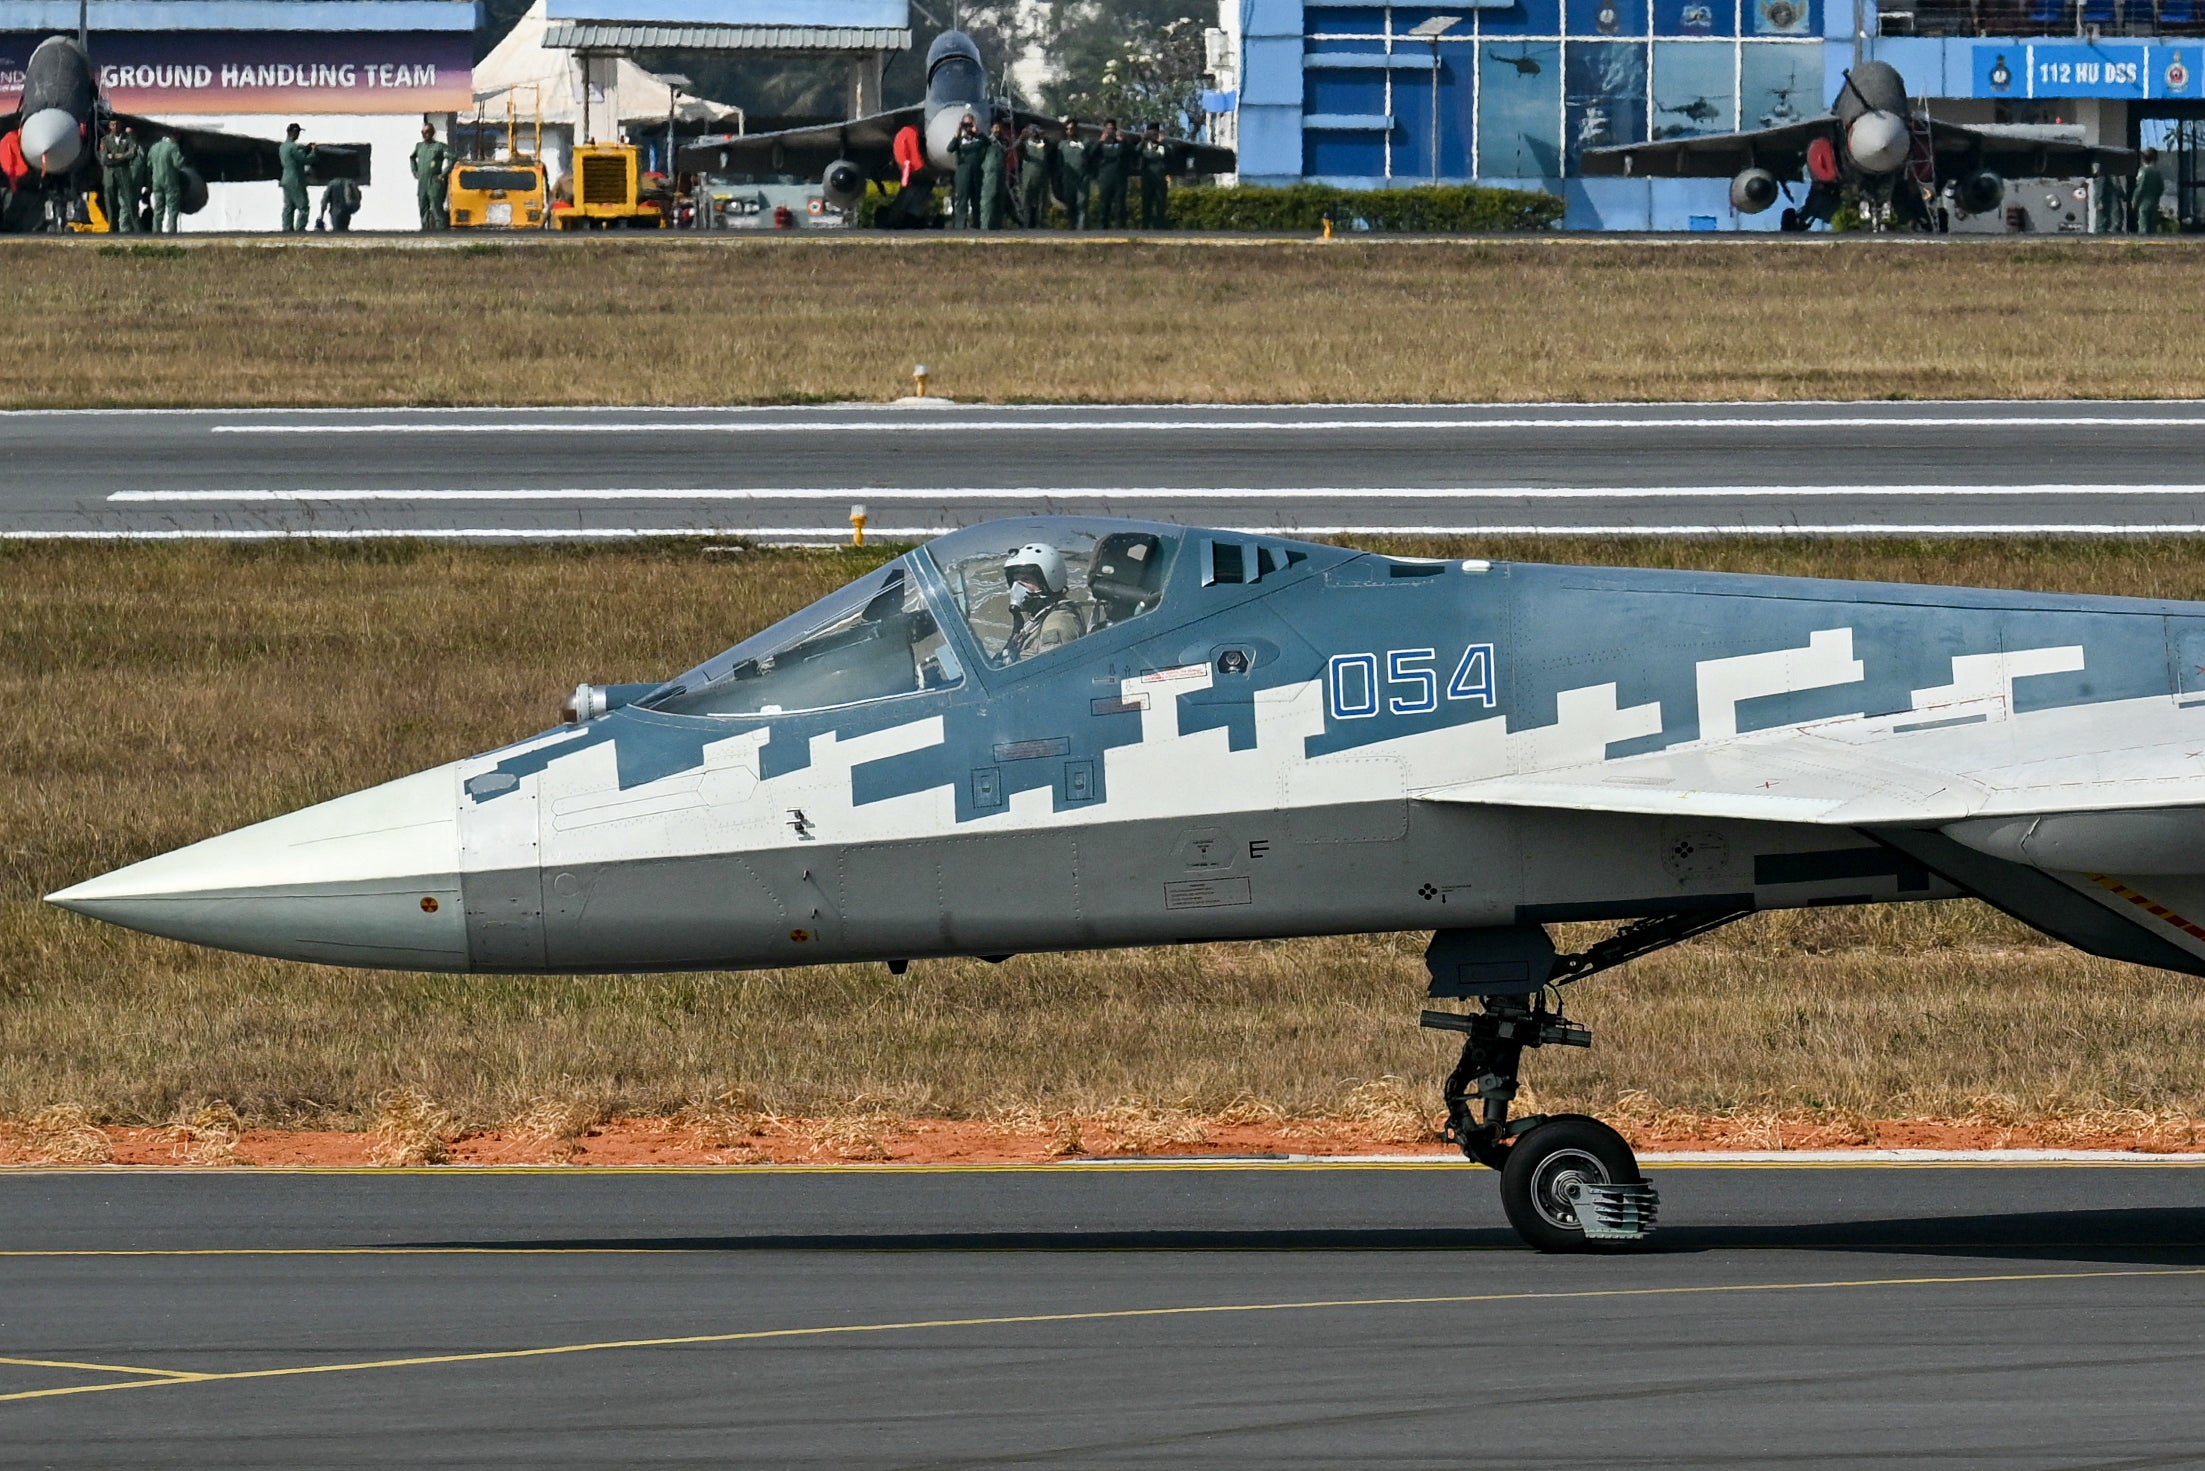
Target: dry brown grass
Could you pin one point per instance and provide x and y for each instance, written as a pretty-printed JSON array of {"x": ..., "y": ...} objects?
[
  {"x": 1560, "y": 318},
  {"x": 158, "y": 694},
  {"x": 64, "y": 1134},
  {"x": 208, "y": 1135}
]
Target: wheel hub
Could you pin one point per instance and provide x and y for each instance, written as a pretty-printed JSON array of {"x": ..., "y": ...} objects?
[{"x": 1560, "y": 1179}]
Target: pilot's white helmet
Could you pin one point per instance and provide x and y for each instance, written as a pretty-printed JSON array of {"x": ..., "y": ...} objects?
[{"x": 1041, "y": 559}]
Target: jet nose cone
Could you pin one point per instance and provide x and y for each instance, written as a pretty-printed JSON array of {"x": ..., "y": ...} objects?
[
  {"x": 370, "y": 879},
  {"x": 1879, "y": 141},
  {"x": 50, "y": 139}
]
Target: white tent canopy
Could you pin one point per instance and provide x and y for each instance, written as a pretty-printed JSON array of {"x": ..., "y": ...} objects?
[{"x": 529, "y": 73}]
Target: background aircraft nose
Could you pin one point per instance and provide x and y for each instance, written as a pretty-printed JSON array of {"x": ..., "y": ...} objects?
[
  {"x": 51, "y": 140},
  {"x": 1878, "y": 141},
  {"x": 370, "y": 879}
]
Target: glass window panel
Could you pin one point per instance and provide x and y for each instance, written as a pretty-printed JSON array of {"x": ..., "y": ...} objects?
[
  {"x": 1050, "y": 589},
  {"x": 1523, "y": 18},
  {"x": 1358, "y": 93},
  {"x": 1781, "y": 84},
  {"x": 1354, "y": 22},
  {"x": 1781, "y": 18},
  {"x": 1696, "y": 17},
  {"x": 1607, "y": 17},
  {"x": 1604, "y": 87},
  {"x": 1519, "y": 110},
  {"x": 1694, "y": 89},
  {"x": 873, "y": 639},
  {"x": 1329, "y": 155}
]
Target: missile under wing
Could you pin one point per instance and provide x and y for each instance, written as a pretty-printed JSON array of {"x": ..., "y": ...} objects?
[{"x": 1066, "y": 733}]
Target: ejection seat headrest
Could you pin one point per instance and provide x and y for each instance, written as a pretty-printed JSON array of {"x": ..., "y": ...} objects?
[{"x": 1126, "y": 572}]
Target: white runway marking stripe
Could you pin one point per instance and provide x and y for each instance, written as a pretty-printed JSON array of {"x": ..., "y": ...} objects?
[
  {"x": 925, "y": 494},
  {"x": 1181, "y": 426},
  {"x": 839, "y": 534}
]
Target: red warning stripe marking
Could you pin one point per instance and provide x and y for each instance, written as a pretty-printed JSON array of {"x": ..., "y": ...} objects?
[{"x": 2155, "y": 910}]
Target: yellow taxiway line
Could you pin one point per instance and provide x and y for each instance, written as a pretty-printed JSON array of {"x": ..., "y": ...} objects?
[{"x": 764, "y": 1335}]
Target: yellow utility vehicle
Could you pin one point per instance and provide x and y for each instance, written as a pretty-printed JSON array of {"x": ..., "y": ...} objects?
[
  {"x": 609, "y": 190},
  {"x": 510, "y": 192},
  {"x": 499, "y": 196}
]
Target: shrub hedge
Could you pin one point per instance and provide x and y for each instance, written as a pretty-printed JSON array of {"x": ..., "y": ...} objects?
[{"x": 1426, "y": 209}]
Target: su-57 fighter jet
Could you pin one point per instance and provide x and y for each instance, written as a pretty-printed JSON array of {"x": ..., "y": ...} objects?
[{"x": 1063, "y": 733}]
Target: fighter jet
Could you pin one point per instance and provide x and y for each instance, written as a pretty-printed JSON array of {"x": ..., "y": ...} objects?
[
  {"x": 49, "y": 146},
  {"x": 1060, "y": 733},
  {"x": 845, "y": 156},
  {"x": 1871, "y": 140}
]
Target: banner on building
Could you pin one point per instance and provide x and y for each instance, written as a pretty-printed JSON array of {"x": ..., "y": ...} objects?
[
  {"x": 2128, "y": 69},
  {"x": 305, "y": 72}
]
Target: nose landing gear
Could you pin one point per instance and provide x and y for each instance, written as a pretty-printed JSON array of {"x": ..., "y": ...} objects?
[{"x": 1568, "y": 1182}]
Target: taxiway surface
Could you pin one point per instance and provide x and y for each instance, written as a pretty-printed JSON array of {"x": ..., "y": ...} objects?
[
  {"x": 1069, "y": 1315},
  {"x": 783, "y": 474}
]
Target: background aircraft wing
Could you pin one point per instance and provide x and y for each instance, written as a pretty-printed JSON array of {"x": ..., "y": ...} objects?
[
  {"x": 1923, "y": 768},
  {"x": 237, "y": 158},
  {"x": 1781, "y": 150},
  {"x": 2022, "y": 153},
  {"x": 869, "y": 142},
  {"x": 1188, "y": 156}
]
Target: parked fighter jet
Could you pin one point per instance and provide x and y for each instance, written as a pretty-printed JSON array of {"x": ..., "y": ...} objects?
[
  {"x": 49, "y": 146},
  {"x": 846, "y": 155},
  {"x": 1063, "y": 733},
  {"x": 1872, "y": 140}
]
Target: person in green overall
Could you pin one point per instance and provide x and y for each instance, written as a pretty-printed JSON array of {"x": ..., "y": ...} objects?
[
  {"x": 292, "y": 157},
  {"x": 432, "y": 170},
  {"x": 2143, "y": 200},
  {"x": 1112, "y": 153},
  {"x": 994, "y": 192},
  {"x": 1072, "y": 175},
  {"x": 165, "y": 160},
  {"x": 119, "y": 179},
  {"x": 1155, "y": 179},
  {"x": 964, "y": 197},
  {"x": 1033, "y": 178}
]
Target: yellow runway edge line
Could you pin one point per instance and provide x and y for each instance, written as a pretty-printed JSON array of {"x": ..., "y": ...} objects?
[{"x": 182, "y": 1376}]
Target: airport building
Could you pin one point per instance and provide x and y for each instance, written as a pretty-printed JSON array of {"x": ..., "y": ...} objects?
[
  {"x": 346, "y": 71},
  {"x": 1368, "y": 94}
]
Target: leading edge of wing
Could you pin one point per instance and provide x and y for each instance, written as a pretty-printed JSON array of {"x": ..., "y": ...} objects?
[
  {"x": 1782, "y": 150},
  {"x": 2022, "y": 155},
  {"x": 1921, "y": 768},
  {"x": 747, "y": 151}
]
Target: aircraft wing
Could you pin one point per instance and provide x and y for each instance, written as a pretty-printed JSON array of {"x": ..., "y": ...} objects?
[
  {"x": 869, "y": 142},
  {"x": 1781, "y": 150},
  {"x": 237, "y": 158},
  {"x": 1188, "y": 156},
  {"x": 1924, "y": 768},
  {"x": 2024, "y": 154}
]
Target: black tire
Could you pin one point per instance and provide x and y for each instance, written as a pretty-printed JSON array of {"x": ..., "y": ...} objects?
[{"x": 1543, "y": 1161}]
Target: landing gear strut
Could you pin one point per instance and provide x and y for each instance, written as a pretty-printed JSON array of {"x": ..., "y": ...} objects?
[{"x": 1568, "y": 1182}]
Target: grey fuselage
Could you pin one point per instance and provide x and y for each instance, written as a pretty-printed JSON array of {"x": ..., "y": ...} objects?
[{"x": 1276, "y": 740}]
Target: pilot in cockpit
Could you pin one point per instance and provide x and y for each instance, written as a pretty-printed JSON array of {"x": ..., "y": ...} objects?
[{"x": 1043, "y": 616}]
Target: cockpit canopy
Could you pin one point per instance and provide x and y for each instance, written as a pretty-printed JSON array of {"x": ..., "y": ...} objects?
[{"x": 912, "y": 625}]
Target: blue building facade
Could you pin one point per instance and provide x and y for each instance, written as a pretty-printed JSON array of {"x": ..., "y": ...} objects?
[{"x": 1364, "y": 94}]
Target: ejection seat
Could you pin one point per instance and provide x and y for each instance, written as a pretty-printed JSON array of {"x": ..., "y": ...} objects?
[{"x": 1125, "y": 575}]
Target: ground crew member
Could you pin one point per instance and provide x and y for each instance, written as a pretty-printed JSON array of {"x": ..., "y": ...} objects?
[
  {"x": 432, "y": 170},
  {"x": 964, "y": 198},
  {"x": 1155, "y": 179},
  {"x": 2143, "y": 201},
  {"x": 1042, "y": 615},
  {"x": 340, "y": 202},
  {"x": 994, "y": 162},
  {"x": 292, "y": 157},
  {"x": 165, "y": 163},
  {"x": 1112, "y": 154},
  {"x": 1072, "y": 174},
  {"x": 119, "y": 179},
  {"x": 1033, "y": 177}
]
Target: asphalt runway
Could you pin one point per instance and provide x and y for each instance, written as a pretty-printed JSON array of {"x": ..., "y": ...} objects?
[
  {"x": 793, "y": 474},
  {"x": 1169, "y": 1316}
]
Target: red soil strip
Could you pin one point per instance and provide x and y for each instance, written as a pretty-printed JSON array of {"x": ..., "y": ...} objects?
[{"x": 948, "y": 1141}]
